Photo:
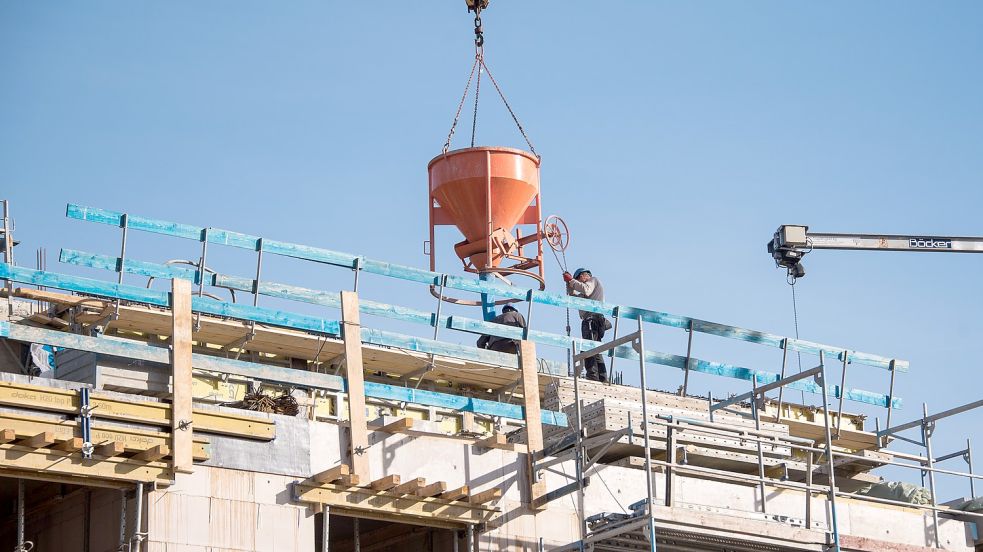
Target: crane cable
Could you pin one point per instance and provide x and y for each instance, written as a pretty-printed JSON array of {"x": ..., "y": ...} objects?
[
  {"x": 479, "y": 65},
  {"x": 795, "y": 318}
]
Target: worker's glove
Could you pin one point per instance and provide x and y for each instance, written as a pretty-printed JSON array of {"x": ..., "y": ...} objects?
[{"x": 567, "y": 276}]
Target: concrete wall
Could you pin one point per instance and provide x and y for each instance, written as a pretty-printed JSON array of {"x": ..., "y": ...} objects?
[{"x": 240, "y": 499}]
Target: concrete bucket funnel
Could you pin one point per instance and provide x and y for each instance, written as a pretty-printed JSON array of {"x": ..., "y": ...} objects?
[{"x": 485, "y": 192}]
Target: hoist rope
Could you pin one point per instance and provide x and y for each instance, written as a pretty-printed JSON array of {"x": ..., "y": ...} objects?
[{"x": 795, "y": 318}]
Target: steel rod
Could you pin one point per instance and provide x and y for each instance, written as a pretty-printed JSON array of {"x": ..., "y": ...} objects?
[
  {"x": 969, "y": 460},
  {"x": 608, "y": 346},
  {"x": 259, "y": 270},
  {"x": 649, "y": 477},
  {"x": 689, "y": 358},
  {"x": 326, "y": 529},
  {"x": 138, "y": 536},
  {"x": 617, "y": 316},
  {"x": 842, "y": 392},
  {"x": 829, "y": 453},
  {"x": 21, "y": 545},
  {"x": 890, "y": 396},
  {"x": 928, "y": 427},
  {"x": 122, "y": 519},
  {"x": 781, "y": 390},
  {"x": 356, "y": 536},
  {"x": 578, "y": 443},
  {"x": 765, "y": 388},
  {"x": 761, "y": 456},
  {"x": 933, "y": 417}
]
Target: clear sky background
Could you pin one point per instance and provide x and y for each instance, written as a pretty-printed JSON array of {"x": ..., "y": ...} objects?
[{"x": 675, "y": 138}]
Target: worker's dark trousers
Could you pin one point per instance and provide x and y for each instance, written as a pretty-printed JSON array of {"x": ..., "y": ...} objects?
[
  {"x": 505, "y": 346},
  {"x": 592, "y": 328}
]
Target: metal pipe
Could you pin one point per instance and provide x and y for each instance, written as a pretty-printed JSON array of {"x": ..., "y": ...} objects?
[
  {"x": 578, "y": 443},
  {"x": 470, "y": 538},
  {"x": 761, "y": 456},
  {"x": 809, "y": 469},
  {"x": 969, "y": 460},
  {"x": 440, "y": 299},
  {"x": 839, "y": 410},
  {"x": 617, "y": 316},
  {"x": 326, "y": 529},
  {"x": 529, "y": 302},
  {"x": 21, "y": 545},
  {"x": 951, "y": 412},
  {"x": 650, "y": 483},
  {"x": 259, "y": 270},
  {"x": 357, "y": 267},
  {"x": 829, "y": 454},
  {"x": 455, "y": 539},
  {"x": 122, "y": 520},
  {"x": 356, "y": 537},
  {"x": 671, "y": 459},
  {"x": 689, "y": 357},
  {"x": 928, "y": 427},
  {"x": 138, "y": 535},
  {"x": 890, "y": 397}
]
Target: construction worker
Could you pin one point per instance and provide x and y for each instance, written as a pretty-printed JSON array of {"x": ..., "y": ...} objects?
[
  {"x": 592, "y": 325},
  {"x": 509, "y": 317}
]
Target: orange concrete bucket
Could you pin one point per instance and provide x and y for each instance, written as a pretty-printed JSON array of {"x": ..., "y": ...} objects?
[{"x": 482, "y": 185}]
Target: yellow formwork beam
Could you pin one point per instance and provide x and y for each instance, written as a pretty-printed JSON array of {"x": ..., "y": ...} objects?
[
  {"x": 134, "y": 440},
  {"x": 66, "y": 401}
]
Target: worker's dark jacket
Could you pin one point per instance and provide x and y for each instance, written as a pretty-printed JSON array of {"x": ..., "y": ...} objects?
[{"x": 496, "y": 343}]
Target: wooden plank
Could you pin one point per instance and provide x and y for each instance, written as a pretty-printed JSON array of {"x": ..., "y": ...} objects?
[
  {"x": 236, "y": 239},
  {"x": 72, "y": 444},
  {"x": 432, "y": 489},
  {"x": 486, "y": 496},
  {"x": 110, "y": 449},
  {"x": 495, "y": 441},
  {"x": 385, "y": 483},
  {"x": 412, "y": 509},
  {"x": 400, "y": 425},
  {"x": 530, "y": 396},
  {"x": 41, "y": 440},
  {"x": 7, "y": 435},
  {"x": 359, "y": 438},
  {"x": 181, "y": 360},
  {"x": 409, "y": 487},
  {"x": 153, "y": 454},
  {"x": 332, "y": 474},
  {"x": 459, "y": 493}
]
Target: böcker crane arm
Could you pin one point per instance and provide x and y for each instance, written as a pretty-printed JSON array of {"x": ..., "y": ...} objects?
[{"x": 791, "y": 242}]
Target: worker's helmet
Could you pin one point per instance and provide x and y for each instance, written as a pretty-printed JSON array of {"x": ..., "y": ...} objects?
[
  {"x": 508, "y": 308},
  {"x": 580, "y": 271}
]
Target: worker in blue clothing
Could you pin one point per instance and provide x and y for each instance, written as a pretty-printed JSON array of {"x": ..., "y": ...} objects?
[{"x": 592, "y": 325}]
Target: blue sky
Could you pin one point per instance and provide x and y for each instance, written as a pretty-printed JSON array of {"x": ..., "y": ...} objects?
[{"x": 675, "y": 138}]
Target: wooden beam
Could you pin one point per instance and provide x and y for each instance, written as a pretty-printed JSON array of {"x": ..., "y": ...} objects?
[
  {"x": 385, "y": 483},
  {"x": 7, "y": 435},
  {"x": 350, "y": 480},
  {"x": 410, "y": 487},
  {"x": 368, "y": 503},
  {"x": 352, "y": 335},
  {"x": 486, "y": 496},
  {"x": 333, "y": 474},
  {"x": 41, "y": 440},
  {"x": 400, "y": 425},
  {"x": 495, "y": 441},
  {"x": 110, "y": 449},
  {"x": 432, "y": 489},
  {"x": 153, "y": 454},
  {"x": 181, "y": 409},
  {"x": 533, "y": 419},
  {"x": 455, "y": 494},
  {"x": 54, "y": 464}
]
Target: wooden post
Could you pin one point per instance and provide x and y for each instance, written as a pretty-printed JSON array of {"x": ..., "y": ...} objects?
[
  {"x": 532, "y": 415},
  {"x": 181, "y": 430},
  {"x": 352, "y": 334}
]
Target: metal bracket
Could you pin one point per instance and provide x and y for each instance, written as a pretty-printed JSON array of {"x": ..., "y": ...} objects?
[{"x": 85, "y": 422}]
